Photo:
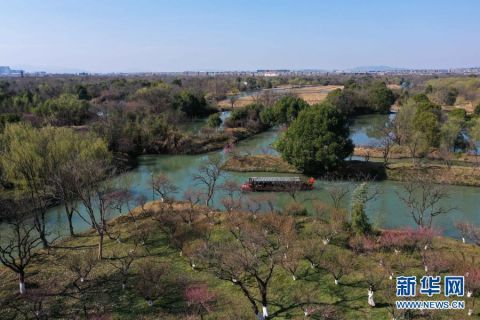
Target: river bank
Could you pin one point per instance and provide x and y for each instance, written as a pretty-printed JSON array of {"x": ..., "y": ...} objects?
[
  {"x": 398, "y": 152},
  {"x": 398, "y": 171},
  {"x": 387, "y": 210}
]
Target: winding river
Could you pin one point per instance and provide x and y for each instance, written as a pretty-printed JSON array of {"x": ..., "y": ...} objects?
[{"x": 386, "y": 210}]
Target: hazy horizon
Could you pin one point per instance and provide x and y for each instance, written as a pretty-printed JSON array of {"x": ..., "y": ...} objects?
[{"x": 163, "y": 36}]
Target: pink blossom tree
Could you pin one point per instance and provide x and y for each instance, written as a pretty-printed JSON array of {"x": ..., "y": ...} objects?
[{"x": 200, "y": 300}]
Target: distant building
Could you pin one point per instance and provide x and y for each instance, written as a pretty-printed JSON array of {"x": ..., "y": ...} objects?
[
  {"x": 272, "y": 73},
  {"x": 4, "y": 70},
  {"x": 7, "y": 72}
]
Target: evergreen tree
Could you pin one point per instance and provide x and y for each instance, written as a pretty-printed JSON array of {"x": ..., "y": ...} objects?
[{"x": 360, "y": 223}]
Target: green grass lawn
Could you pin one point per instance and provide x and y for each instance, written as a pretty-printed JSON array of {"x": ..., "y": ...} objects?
[{"x": 314, "y": 287}]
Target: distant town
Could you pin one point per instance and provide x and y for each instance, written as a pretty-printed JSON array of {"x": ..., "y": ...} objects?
[{"x": 6, "y": 71}]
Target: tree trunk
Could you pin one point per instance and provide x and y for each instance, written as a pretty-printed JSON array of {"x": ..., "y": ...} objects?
[
  {"x": 70, "y": 222},
  {"x": 21, "y": 283},
  {"x": 263, "y": 293},
  {"x": 40, "y": 226},
  {"x": 100, "y": 246},
  {"x": 245, "y": 291},
  {"x": 44, "y": 240}
]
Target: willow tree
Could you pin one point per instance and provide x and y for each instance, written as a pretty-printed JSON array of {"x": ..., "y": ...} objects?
[
  {"x": 25, "y": 159},
  {"x": 70, "y": 150},
  {"x": 43, "y": 163}
]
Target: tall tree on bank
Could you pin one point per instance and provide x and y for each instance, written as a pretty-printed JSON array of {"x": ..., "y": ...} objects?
[
  {"x": 44, "y": 162},
  {"x": 317, "y": 141},
  {"x": 70, "y": 151},
  {"x": 99, "y": 197},
  {"x": 208, "y": 176},
  {"x": 417, "y": 125},
  {"x": 25, "y": 156}
]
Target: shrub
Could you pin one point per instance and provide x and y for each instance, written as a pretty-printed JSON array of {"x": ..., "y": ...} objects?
[
  {"x": 214, "y": 120},
  {"x": 477, "y": 109},
  {"x": 295, "y": 209}
]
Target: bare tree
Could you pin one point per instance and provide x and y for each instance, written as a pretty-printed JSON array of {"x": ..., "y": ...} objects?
[
  {"x": 163, "y": 186},
  {"x": 253, "y": 203},
  {"x": 172, "y": 226},
  {"x": 99, "y": 198},
  {"x": 122, "y": 261},
  {"x": 18, "y": 242},
  {"x": 329, "y": 229},
  {"x": 424, "y": 200},
  {"x": 386, "y": 142},
  {"x": 337, "y": 191},
  {"x": 232, "y": 100},
  {"x": 208, "y": 176},
  {"x": 193, "y": 199},
  {"x": 469, "y": 232},
  {"x": 314, "y": 251},
  {"x": 248, "y": 259},
  {"x": 232, "y": 199},
  {"x": 63, "y": 180},
  {"x": 292, "y": 259},
  {"x": 80, "y": 266},
  {"x": 338, "y": 263},
  {"x": 150, "y": 280}
]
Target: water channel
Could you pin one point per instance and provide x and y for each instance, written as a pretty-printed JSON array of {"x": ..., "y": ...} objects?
[{"x": 386, "y": 210}]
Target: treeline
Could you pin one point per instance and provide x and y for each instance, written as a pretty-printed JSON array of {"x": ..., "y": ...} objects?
[
  {"x": 454, "y": 90},
  {"x": 422, "y": 126},
  {"x": 48, "y": 103},
  {"x": 369, "y": 97}
]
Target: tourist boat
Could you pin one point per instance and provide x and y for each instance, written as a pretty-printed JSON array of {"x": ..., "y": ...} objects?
[{"x": 277, "y": 184}]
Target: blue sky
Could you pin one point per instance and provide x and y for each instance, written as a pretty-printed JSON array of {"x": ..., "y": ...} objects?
[{"x": 177, "y": 35}]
